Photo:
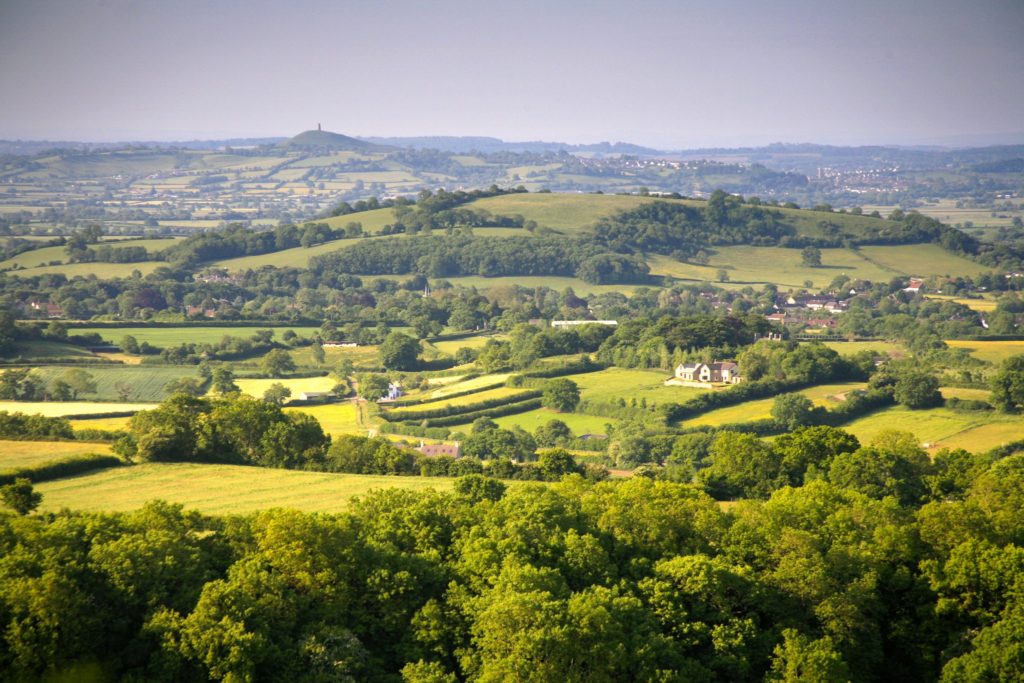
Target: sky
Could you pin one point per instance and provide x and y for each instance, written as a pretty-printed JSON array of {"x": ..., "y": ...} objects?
[{"x": 668, "y": 74}]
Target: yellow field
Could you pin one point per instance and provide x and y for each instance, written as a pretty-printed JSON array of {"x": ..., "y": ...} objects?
[
  {"x": 335, "y": 418},
  {"x": 500, "y": 392},
  {"x": 104, "y": 423},
  {"x": 17, "y": 454},
  {"x": 822, "y": 395},
  {"x": 991, "y": 351},
  {"x": 256, "y": 387},
  {"x": 967, "y": 394},
  {"x": 453, "y": 345},
  {"x": 109, "y": 270},
  {"x": 63, "y": 408},
  {"x": 982, "y": 305},
  {"x": 219, "y": 489}
]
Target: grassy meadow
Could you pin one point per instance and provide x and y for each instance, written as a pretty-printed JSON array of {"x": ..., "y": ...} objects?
[
  {"x": 146, "y": 382},
  {"x": 219, "y": 489},
  {"x": 615, "y": 383},
  {"x": 821, "y": 395},
  {"x": 66, "y": 408},
  {"x": 185, "y": 334},
  {"x": 942, "y": 427},
  {"x": 335, "y": 418},
  {"x": 17, "y": 454},
  {"x": 257, "y": 387},
  {"x": 990, "y": 351}
]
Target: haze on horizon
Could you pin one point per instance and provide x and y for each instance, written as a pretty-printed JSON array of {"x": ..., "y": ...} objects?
[{"x": 653, "y": 72}]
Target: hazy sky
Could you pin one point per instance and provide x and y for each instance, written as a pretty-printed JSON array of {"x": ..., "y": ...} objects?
[{"x": 661, "y": 73}]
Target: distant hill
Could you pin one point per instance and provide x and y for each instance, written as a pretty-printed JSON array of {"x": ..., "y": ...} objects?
[
  {"x": 322, "y": 139},
  {"x": 487, "y": 145}
]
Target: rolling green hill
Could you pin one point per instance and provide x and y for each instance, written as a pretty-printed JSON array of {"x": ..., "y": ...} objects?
[{"x": 322, "y": 139}]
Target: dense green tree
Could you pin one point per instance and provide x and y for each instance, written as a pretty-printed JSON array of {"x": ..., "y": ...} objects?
[
  {"x": 399, "y": 352},
  {"x": 277, "y": 363},
  {"x": 277, "y": 393},
  {"x": 917, "y": 390},
  {"x": 811, "y": 257},
  {"x": 1008, "y": 385},
  {"x": 561, "y": 394},
  {"x": 372, "y": 386},
  {"x": 223, "y": 381},
  {"x": 80, "y": 382},
  {"x": 20, "y": 496},
  {"x": 743, "y": 466},
  {"x": 793, "y": 410}
]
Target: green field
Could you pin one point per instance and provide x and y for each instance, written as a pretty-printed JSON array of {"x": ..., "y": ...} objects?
[
  {"x": 941, "y": 427},
  {"x": 146, "y": 382},
  {"x": 922, "y": 259},
  {"x": 17, "y": 454},
  {"x": 983, "y": 305},
  {"x": 614, "y": 383},
  {"x": 219, "y": 489},
  {"x": 564, "y": 212},
  {"x": 185, "y": 334},
  {"x": 452, "y": 345},
  {"x": 822, "y": 395},
  {"x": 557, "y": 283},
  {"x": 41, "y": 257},
  {"x": 990, "y": 351},
  {"x": 578, "y": 423},
  {"x": 775, "y": 265},
  {"x": 470, "y": 384},
  {"x": 108, "y": 270},
  {"x": 65, "y": 408},
  {"x": 894, "y": 349},
  {"x": 48, "y": 351},
  {"x": 335, "y": 418},
  {"x": 359, "y": 355}
]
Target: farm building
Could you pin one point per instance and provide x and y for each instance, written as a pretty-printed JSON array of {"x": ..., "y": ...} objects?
[
  {"x": 433, "y": 450},
  {"x": 315, "y": 395},
  {"x": 707, "y": 374},
  {"x": 573, "y": 323}
]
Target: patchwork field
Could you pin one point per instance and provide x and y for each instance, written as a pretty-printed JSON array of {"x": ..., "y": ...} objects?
[
  {"x": 143, "y": 382},
  {"x": 509, "y": 393},
  {"x": 990, "y": 351},
  {"x": 941, "y": 427},
  {"x": 470, "y": 384},
  {"x": 822, "y": 395},
  {"x": 219, "y": 489},
  {"x": 17, "y": 454},
  {"x": 65, "y": 408},
  {"x": 185, "y": 334}
]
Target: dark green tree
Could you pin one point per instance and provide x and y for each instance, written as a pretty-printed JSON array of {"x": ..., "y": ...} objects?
[
  {"x": 399, "y": 352},
  {"x": 1008, "y": 385},
  {"x": 561, "y": 394},
  {"x": 20, "y": 496}
]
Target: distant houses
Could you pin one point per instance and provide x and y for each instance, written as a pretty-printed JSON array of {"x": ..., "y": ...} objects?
[
  {"x": 434, "y": 450},
  {"x": 573, "y": 323}
]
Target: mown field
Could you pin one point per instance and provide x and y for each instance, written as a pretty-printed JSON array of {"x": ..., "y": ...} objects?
[
  {"x": 145, "y": 382},
  {"x": 257, "y": 387},
  {"x": 822, "y": 395},
  {"x": 365, "y": 356},
  {"x": 470, "y": 384},
  {"x": 66, "y": 408},
  {"x": 894, "y": 349},
  {"x": 219, "y": 489},
  {"x": 17, "y": 454},
  {"x": 562, "y": 211},
  {"x": 185, "y": 334},
  {"x": 615, "y": 383},
  {"x": 450, "y": 346},
  {"x": 990, "y": 351},
  {"x": 335, "y": 418},
  {"x": 942, "y": 427}
]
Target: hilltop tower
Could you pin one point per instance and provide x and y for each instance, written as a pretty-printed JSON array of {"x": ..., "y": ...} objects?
[{"x": 318, "y": 127}]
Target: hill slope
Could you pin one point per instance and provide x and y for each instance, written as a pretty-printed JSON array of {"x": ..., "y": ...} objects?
[{"x": 322, "y": 139}]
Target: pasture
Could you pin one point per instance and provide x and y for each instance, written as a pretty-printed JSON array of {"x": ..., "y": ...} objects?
[
  {"x": 66, "y": 408},
  {"x": 775, "y": 265},
  {"x": 822, "y": 395},
  {"x": 563, "y": 212},
  {"x": 46, "y": 255},
  {"x": 17, "y": 454},
  {"x": 361, "y": 356},
  {"x": 849, "y": 348},
  {"x": 555, "y": 282},
  {"x": 921, "y": 259},
  {"x": 577, "y": 422},
  {"x": 994, "y": 352},
  {"x": 942, "y": 427},
  {"x": 450, "y": 346},
  {"x": 48, "y": 351},
  {"x": 185, "y": 334},
  {"x": 219, "y": 489},
  {"x": 142, "y": 382},
  {"x": 615, "y": 383},
  {"x": 470, "y": 384},
  {"x": 87, "y": 270}
]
